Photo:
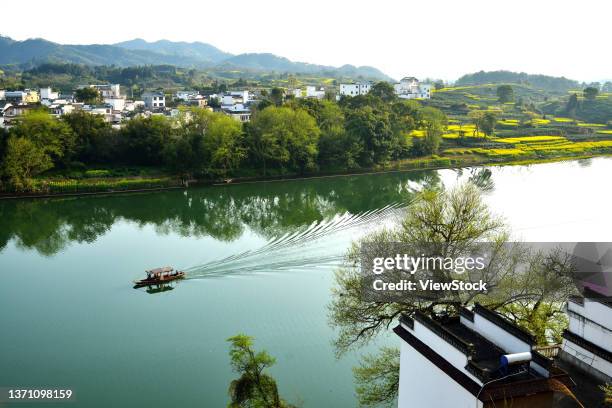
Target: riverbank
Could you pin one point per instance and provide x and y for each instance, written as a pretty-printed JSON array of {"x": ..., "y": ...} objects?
[{"x": 109, "y": 185}]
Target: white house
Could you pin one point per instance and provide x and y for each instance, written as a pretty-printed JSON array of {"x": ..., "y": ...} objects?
[
  {"x": 108, "y": 90},
  {"x": 185, "y": 95},
  {"x": 587, "y": 343},
  {"x": 241, "y": 96},
  {"x": 296, "y": 92},
  {"x": 411, "y": 88},
  {"x": 154, "y": 100},
  {"x": 475, "y": 360},
  {"x": 361, "y": 88},
  {"x": 239, "y": 112},
  {"x": 118, "y": 104},
  {"x": 2, "y": 91},
  {"x": 47, "y": 93},
  {"x": 313, "y": 92}
]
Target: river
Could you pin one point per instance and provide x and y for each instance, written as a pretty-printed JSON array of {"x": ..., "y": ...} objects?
[{"x": 260, "y": 260}]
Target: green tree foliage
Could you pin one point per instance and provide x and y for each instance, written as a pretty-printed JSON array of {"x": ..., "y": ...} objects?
[
  {"x": 88, "y": 95},
  {"x": 336, "y": 147},
  {"x": 54, "y": 137},
  {"x": 23, "y": 160},
  {"x": 143, "y": 140},
  {"x": 454, "y": 221},
  {"x": 377, "y": 377},
  {"x": 254, "y": 388},
  {"x": 434, "y": 122},
  {"x": 505, "y": 93},
  {"x": 224, "y": 143},
  {"x": 488, "y": 121},
  {"x": 277, "y": 96},
  {"x": 96, "y": 141},
  {"x": 590, "y": 93},
  {"x": 284, "y": 137},
  {"x": 607, "y": 390},
  {"x": 383, "y": 90},
  {"x": 572, "y": 105}
]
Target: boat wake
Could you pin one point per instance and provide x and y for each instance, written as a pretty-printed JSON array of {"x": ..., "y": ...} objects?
[{"x": 321, "y": 244}]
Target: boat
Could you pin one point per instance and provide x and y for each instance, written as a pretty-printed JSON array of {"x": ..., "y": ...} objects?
[{"x": 158, "y": 276}]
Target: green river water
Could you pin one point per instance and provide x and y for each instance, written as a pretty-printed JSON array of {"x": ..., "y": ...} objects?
[{"x": 260, "y": 260}]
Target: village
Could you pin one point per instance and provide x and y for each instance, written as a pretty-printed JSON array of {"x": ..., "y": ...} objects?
[{"x": 111, "y": 102}]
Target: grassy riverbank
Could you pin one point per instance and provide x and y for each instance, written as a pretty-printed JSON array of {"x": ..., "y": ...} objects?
[{"x": 152, "y": 179}]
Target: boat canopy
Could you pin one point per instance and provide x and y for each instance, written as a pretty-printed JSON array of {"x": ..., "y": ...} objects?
[{"x": 165, "y": 269}]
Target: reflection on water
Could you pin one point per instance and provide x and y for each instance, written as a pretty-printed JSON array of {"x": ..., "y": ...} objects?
[
  {"x": 75, "y": 320},
  {"x": 271, "y": 210}
]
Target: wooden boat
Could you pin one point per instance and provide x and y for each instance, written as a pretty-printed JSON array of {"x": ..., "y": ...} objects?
[{"x": 158, "y": 276}]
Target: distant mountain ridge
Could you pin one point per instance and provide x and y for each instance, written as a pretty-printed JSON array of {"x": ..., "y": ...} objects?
[
  {"x": 183, "y": 54},
  {"x": 550, "y": 83}
]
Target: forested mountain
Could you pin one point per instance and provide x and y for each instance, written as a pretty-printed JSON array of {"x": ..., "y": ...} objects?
[
  {"x": 33, "y": 52},
  {"x": 548, "y": 83},
  {"x": 196, "y": 50}
]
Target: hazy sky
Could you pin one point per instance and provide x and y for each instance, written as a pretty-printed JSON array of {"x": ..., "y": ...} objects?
[{"x": 426, "y": 38}]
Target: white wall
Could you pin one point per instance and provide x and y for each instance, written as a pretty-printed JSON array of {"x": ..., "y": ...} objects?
[
  {"x": 593, "y": 310},
  {"x": 587, "y": 357},
  {"x": 496, "y": 334},
  {"x": 423, "y": 385}
]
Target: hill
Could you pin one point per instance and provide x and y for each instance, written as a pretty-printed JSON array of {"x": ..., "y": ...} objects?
[
  {"x": 543, "y": 82},
  {"x": 196, "y": 50},
  {"x": 32, "y": 52}
]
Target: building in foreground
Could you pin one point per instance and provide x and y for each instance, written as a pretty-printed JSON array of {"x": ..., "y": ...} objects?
[
  {"x": 411, "y": 88},
  {"x": 587, "y": 343},
  {"x": 456, "y": 362}
]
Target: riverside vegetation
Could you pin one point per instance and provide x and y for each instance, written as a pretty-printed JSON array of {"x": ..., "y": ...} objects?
[{"x": 463, "y": 125}]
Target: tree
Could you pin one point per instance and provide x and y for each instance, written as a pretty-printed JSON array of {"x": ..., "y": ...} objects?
[
  {"x": 505, "y": 93},
  {"x": 4, "y": 134},
  {"x": 590, "y": 93},
  {"x": 384, "y": 91},
  {"x": 23, "y": 160},
  {"x": 377, "y": 377},
  {"x": 453, "y": 223},
  {"x": 336, "y": 147},
  {"x": 371, "y": 129},
  {"x": 143, "y": 140},
  {"x": 277, "y": 96},
  {"x": 284, "y": 136},
  {"x": 458, "y": 218},
  {"x": 572, "y": 105},
  {"x": 88, "y": 95},
  {"x": 254, "y": 388},
  {"x": 223, "y": 142},
  {"x": 433, "y": 121},
  {"x": 54, "y": 137},
  {"x": 95, "y": 141},
  {"x": 488, "y": 121}
]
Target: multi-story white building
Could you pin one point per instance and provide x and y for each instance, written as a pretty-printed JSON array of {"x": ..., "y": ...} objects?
[
  {"x": 118, "y": 104},
  {"x": 475, "y": 360},
  {"x": 239, "y": 112},
  {"x": 587, "y": 343},
  {"x": 361, "y": 88},
  {"x": 154, "y": 100},
  {"x": 185, "y": 95},
  {"x": 411, "y": 88},
  {"x": 108, "y": 90},
  {"x": 313, "y": 92},
  {"x": 48, "y": 94}
]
